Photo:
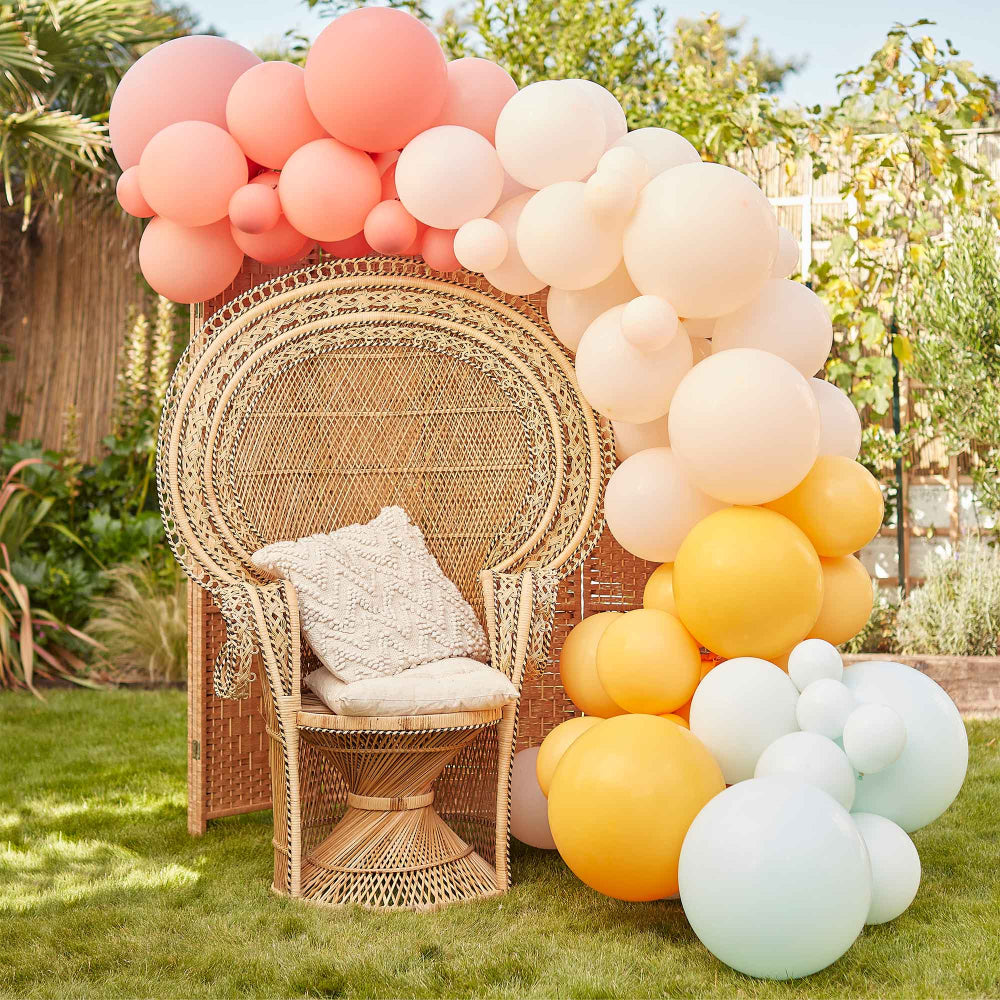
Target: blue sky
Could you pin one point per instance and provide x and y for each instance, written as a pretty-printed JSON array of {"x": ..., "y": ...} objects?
[{"x": 833, "y": 36}]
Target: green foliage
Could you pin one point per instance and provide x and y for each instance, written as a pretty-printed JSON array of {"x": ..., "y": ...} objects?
[
  {"x": 957, "y": 610},
  {"x": 879, "y": 633}
]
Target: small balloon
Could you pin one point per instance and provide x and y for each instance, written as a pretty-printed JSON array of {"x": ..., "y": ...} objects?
[
  {"x": 813, "y": 758},
  {"x": 874, "y": 737},
  {"x": 660, "y": 148},
  {"x": 649, "y": 323},
  {"x": 129, "y": 195},
  {"x": 823, "y": 708},
  {"x": 512, "y": 276},
  {"x": 481, "y": 245},
  {"x": 556, "y": 743},
  {"x": 786, "y": 263},
  {"x": 389, "y": 228},
  {"x": 895, "y": 866},
  {"x": 571, "y": 312},
  {"x": 254, "y": 208},
  {"x": 437, "y": 247},
  {"x": 812, "y": 660}
]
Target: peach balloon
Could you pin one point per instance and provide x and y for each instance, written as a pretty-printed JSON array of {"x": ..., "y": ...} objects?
[
  {"x": 268, "y": 114},
  {"x": 659, "y": 590},
  {"x": 481, "y": 245},
  {"x": 649, "y": 323},
  {"x": 611, "y": 111},
  {"x": 786, "y": 263},
  {"x": 389, "y": 228},
  {"x": 848, "y": 597},
  {"x": 282, "y": 244},
  {"x": 512, "y": 276},
  {"x": 189, "y": 264},
  {"x": 529, "y": 820},
  {"x": 556, "y": 743},
  {"x": 254, "y": 208},
  {"x": 353, "y": 246},
  {"x": 578, "y": 666},
  {"x": 185, "y": 79},
  {"x": 449, "y": 175},
  {"x": 327, "y": 189},
  {"x": 375, "y": 78},
  {"x": 477, "y": 91},
  {"x": 744, "y": 425},
  {"x": 700, "y": 348},
  {"x": 129, "y": 195},
  {"x": 786, "y": 319},
  {"x": 650, "y": 505},
  {"x": 571, "y": 312},
  {"x": 437, "y": 247},
  {"x": 383, "y": 161},
  {"x": 633, "y": 438},
  {"x": 660, "y": 148},
  {"x": 190, "y": 170},
  {"x": 839, "y": 420}
]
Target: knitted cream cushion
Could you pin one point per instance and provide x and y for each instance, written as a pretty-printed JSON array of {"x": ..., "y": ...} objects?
[
  {"x": 457, "y": 684},
  {"x": 373, "y": 600}
]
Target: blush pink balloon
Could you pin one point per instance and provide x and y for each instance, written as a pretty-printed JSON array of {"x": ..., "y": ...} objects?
[
  {"x": 188, "y": 264},
  {"x": 389, "y": 228},
  {"x": 375, "y": 78},
  {"x": 383, "y": 161},
  {"x": 353, "y": 246},
  {"x": 281, "y": 245},
  {"x": 327, "y": 189},
  {"x": 438, "y": 250},
  {"x": 190, "y": 170},
  {"x": 477, "y": 91},
  {"x": 529, "y": 809},
  {"x": 254, "y": 208},
  {"x": 268, "y": 114},
  {"x": 129, "y": 195},
  {"x": 186, "y": 79}
]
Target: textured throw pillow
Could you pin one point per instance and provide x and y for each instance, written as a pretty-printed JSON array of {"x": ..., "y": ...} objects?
[
  {"x": 372, "y": 599},
  {"x": 457, "y": 684}
]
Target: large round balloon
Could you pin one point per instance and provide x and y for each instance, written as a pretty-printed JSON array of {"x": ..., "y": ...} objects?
[
  {"x": 477, "y": 91},
  {"x": 787, "y": 319},
  {"x": 739, "y": 709},
  {"x": 578, "y": 666},
  {"x": 787, "y": 261},
  {"x": 775, "y": 878},
  {"x": 556, "y": 743},
  {"x": 813, "y": 758},
  {"x": 660, "y": 148},
  {"x": 512, "y": 276},
  {"x": 747, "y": 583},
  {"x": 621, "y": 800},
  {"x": 190, "y": 170},
  {"x": 745, "y": 426},
  {"x": 615, "y": 126},
  {"x": 839, "y": 420},
  {"x": 928, "y": 775},
  {"x": 630, "y": 439},
  {"x": 185, "y": 79},
  {"x": 375, "y": 78},
  {"x": 622, "y": 382},
  {"x": 704, "y": 237},
  {"x": 650, "y": 505},
  {"x": 188, "y": 265},
  {"x": 895, "y": 866},
  {"x": 528, "y": 809},
  {"x": 571, "y": 312},
  {"x": 268, "y": 114},
  {"x": 848, "y": 597},
  {"x": 838, "y": 505},
  {"x": 327, "y": 189}
]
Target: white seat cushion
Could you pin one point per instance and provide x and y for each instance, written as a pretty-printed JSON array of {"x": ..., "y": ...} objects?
[{"x": 456, "y": 684}]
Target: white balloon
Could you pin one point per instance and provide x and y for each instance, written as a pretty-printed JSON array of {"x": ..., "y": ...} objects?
[
  {"x": 512, "y": 276},
  {"x": 571, "y": 312},
  {"x": 874, "y": 737},
  {"x": 924, "y": 781},
  {"x": 839, "y": 420},
  {"x": 551, "y": 131},
  {"x": 650, "y": 505},
  {"x": 633, "y": 438},
  {"x": 606, "y": 102},
  {"x": 481, "y": 245},
  {"x": 812, "y": 659},
  {"x": 739, "y": 709},
  {"x": 700, "y": 348},
  {"x": 564, "y": 241},
  {"x": 775, "y": 878},
  {"x": 448, "y": 175},
  {"x": 786, "y": 319},
  {"x": 787, "y": 261},
  {"x": 823, "y": 707},
  {"x": 660, "y": 148},
  {"x": 812, "y": 758},
  {"x": 623, "y": 383},
  {"x": 703, "y": 237},
  {"x": 895, "y": 866},
  {"x": 649, "y": 323}
]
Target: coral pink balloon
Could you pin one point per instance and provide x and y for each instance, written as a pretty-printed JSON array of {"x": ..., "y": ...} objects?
[
  {"x": 254, "y": 208},
  {"x": 189, "y": 264},
  {"x": 190, "y": 170},
  {"x": 268, "y": 114},
  {"x": 353, "y": 246},
  {"x": 383, "y": 161},
  {"x": 280, "y": 245},
  {"x": 375, "y": 78},
  {"x": 327, "y": 189},
  {"x": 389, "y": 228},
  {"x": 186, "y": 79},
  {"x": 129, "y": 195},
  {"x": 477, "y": 91},
  {"x": 438, "y": 250},
  {"x": 389, "y": 191}
]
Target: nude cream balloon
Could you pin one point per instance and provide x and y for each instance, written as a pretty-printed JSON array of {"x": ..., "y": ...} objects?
[
  {"x": 703, "y": 237},
  {"x": 786, "y": 319},
  {"x": 839, "y": 420},
  {"x": 571, "y": 312},
  {"x": 787, "y": 261},
  {"x": 624, "y": 383},
  {"x": 745, "y": 426},
  {"x": 512, "y": 276},
  {"x": 633, "y": 438},
  {"x": 606, "y": 102},
  {"x": 649, "y": 323},
  {"x": 660, "y": 148},
  {"x": 481, "y": 245}
]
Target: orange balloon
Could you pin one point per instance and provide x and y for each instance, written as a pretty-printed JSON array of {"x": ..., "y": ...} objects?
[
  {"x": 556, "y": 743},
  {"x": 838, "y": 505},
  {"x": 189, "y": 265},
  {"x": 847, "y": 600},
  {"x": 679, "y": 719},
  {"x": 747, "y": 582},
  {"x": 578, "y": 666},
  {"x": 684, "y": 712},
  {"x": 659, "y": 590},
  {"x": 648, "y": 662}
]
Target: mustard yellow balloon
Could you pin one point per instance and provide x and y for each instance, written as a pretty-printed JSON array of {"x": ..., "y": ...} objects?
[
  {"x": 622, "y": 799},
  {"x": 847, "y": 600},
  {"x": 647, "y": 661},
  {"x": 679, "y": 719},
  {"x": 747, "y": 582},
  {"x": 578, "y": 666},
  {"x": 838, "y": 505},
  {"x": 556, "y": 743},
  {"x": 659, "y": 590}
]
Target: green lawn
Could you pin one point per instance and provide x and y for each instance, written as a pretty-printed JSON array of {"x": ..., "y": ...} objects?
[{"x": 104, "y": 894}]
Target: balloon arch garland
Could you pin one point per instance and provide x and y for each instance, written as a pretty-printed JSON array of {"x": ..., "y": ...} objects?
[{"x": 668, "y": 278}]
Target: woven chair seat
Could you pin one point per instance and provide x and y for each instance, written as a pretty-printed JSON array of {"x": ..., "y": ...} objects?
[{"x": 315, "y": 715}]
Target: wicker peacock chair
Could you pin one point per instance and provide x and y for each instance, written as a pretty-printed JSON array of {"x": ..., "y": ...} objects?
[{"x": 310, "y": 402}]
